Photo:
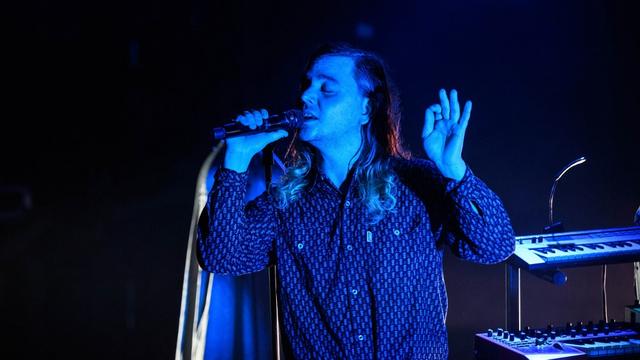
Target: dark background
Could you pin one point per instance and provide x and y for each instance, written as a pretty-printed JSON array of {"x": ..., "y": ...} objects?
[{"x": 108, "y": 106}]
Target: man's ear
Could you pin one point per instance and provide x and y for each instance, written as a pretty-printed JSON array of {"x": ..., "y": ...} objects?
[{"x": 366, "y": 111}]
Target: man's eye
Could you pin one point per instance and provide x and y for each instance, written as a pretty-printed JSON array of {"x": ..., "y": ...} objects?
[{"x": 326, "y": 89}]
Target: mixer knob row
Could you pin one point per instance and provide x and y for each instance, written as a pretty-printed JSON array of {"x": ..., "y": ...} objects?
[{"x": 570, "y": 330}]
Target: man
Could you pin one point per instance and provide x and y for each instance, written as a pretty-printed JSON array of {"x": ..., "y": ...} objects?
[{"x": 356, "y": 227}]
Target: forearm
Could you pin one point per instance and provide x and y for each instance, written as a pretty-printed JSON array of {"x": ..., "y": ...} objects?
[
  {"x": 478, "y": 226},
  {"x": 232, "y": 239},
  {"x": 237, "y": 160}
]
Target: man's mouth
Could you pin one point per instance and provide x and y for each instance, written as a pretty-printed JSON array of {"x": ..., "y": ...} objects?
[{"x": 309, "y": 116}]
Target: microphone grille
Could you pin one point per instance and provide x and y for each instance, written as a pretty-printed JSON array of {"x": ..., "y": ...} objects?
[{"x": 294, "y": 117}]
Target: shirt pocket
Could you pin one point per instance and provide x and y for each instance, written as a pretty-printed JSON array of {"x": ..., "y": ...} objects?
[{"x": 401, "y": 248}]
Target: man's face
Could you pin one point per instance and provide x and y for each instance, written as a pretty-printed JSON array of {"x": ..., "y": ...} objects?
[{"x": 333, "y": 104}]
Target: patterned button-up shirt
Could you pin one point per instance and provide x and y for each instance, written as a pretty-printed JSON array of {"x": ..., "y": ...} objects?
[{"x": 347, "y": 289}]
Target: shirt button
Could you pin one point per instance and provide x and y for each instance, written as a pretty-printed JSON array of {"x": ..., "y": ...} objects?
[
  {"x": 369, "y": 236},
  {"x": 347, "y": 203},
  {"x": 349, "y": 247},
  {"x": 300, "y": 245},
  {"x": 354, "y": 291},
  {"x": 360, "y": 337},
  {"x": 396, "y": 232}
]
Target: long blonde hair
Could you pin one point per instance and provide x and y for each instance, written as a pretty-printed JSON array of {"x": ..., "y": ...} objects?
[{"x": 381, "y": 140}]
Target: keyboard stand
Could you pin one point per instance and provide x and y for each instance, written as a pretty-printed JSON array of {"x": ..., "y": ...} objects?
[{"x": 513, "y": 313}]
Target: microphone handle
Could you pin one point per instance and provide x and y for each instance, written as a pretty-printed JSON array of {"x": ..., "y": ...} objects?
[{"x": 287, "y": 120}]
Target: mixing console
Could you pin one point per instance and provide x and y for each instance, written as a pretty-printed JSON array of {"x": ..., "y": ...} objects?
[{"x": 576, "y": 341}]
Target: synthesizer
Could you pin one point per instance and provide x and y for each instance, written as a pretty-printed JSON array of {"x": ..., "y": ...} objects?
[
  {"x": 577, "y": 248},
  {"x": 604, "y": 340}
]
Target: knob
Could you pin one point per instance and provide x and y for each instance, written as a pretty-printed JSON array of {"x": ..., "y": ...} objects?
[
  {"x": 512, "y": 337},
  {"x": 505, "y": 335},
  {"x": 605, "y": 329},
  {"x": 552, "y": 334},
  {"x": 539, "y": 341},
  {"x": 523, "y": 335},
  {"x": 573, "y": 332},
  {"x": 499, "y": 332},
  {"x": 584, "y": 331},
  {"x": 489, "y": 333}
]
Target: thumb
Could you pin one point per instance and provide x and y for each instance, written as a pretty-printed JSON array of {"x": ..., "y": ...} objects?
[
  {"x": 270, "y": 137},
  {"x": 279, "y": 134}
]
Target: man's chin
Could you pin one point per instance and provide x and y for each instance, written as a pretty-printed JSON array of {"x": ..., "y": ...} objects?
[{"x": 306, "y": 134}]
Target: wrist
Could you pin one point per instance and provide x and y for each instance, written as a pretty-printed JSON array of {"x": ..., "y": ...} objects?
[
  {"x": 236, "y": 161},
  {"x": 453, "y": 171}
]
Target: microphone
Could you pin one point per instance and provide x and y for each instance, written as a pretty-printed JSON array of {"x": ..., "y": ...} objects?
[{"x": 290, "y": 119}]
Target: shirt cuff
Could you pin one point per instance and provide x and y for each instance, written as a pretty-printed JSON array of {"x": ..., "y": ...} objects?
[
  {"x": 228, "y": 177},
  {"x": 459, "y": 186}
]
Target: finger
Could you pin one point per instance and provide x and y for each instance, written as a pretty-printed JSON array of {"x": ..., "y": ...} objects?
[
  {"x": 455, "y": 105},
  {"x": 242, "y": 120},
  {"x": 257, "y": 115},
  {"x": 250, "y": 121},
  {"x": 277, "y": 135},
  {"x": 444, "y": 102},
  {"x": 429, "y": 119},
  {"x": 265, "y": 113},
  {"x": 466, "y": 115}
]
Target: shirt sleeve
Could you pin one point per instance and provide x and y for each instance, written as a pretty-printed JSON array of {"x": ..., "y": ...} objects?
[
  {"x": 476, "y": 225},
  {"x": 234, "y": 238}
]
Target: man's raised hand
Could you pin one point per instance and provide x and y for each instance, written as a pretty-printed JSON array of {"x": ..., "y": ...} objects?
[{"x": 443, "y": 134}]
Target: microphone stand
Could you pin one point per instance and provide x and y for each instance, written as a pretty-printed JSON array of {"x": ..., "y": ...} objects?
[
  {"x": 556, "y": 276},
  {"x": 554, "y": 227},
  {"x": 636, "y": 264},
  {"x": 267, "y": 163}
]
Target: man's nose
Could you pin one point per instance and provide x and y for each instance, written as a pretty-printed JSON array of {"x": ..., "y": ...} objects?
[{"x": 308, "y": 98}]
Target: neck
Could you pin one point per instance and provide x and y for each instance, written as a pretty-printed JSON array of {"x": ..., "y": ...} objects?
[{"x": 338, "y": 159}]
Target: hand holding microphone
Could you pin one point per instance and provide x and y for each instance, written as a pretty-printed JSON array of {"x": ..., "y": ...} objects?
[{"x": 251, "y": 132}]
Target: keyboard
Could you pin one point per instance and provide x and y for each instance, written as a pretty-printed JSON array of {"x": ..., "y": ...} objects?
[{"x": 577, "y": 248}]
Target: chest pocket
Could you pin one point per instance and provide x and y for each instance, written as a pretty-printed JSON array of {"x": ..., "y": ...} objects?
[
  {"x": 400, "y": 244},
  {"x": 401, "y": 226}
]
